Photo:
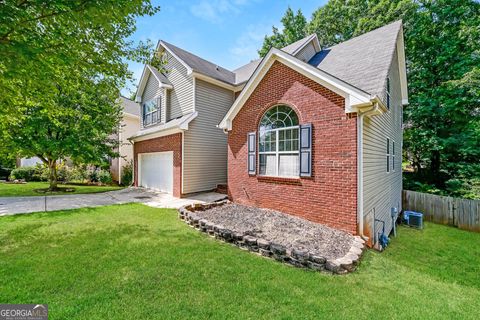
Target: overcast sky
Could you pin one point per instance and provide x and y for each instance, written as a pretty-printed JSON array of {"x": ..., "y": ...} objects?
[{"x": 226, "y": 32}]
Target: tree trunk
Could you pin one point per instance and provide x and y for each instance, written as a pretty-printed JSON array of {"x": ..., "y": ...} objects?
[{"x": 52, "y": 167}]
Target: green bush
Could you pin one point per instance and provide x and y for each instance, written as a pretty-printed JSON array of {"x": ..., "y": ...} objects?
[
  {"x": 127, "y": 174},
  {"x": 33, "y": 173},
  {"x": 78, "y": 174},
  {"x": 104, "y": 176}
]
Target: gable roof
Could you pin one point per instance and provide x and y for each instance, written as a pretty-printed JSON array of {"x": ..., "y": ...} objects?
[
  {"x": 362, "y": 61},
  {"x": 200, "y": 65},
  {"x": 161, "y": 78},
  {"x": 356, "y": 69},
  {"x": 244, "y": 73},
  {"x": 298, "y": 45},
  {"x": 194, "y": 63},
  {"x": 354, "y": 97}
]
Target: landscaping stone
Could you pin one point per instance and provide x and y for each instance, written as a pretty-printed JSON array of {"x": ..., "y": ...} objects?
[
  {"x": 263, "y": 244},
  {"x": 276, "y": 235}
]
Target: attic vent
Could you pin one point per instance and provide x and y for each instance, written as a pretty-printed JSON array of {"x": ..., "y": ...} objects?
[{"x": 217, "y": 68}]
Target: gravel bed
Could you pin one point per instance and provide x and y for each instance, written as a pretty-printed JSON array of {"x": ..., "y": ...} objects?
[{"x": 281, "y": 228}]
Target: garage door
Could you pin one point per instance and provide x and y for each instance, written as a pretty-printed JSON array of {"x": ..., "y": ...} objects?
[{"x": 156, "y": 171}]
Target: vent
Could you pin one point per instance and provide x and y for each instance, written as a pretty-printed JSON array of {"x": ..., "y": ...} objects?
[{"x": 413, "y": 219}]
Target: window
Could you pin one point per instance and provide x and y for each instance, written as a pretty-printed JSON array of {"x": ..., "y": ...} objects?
[
  {"x": 388, "y": 93},
  {"x": 388, "y": 155},
  {"x": 278, "y": 143},
  {"x": 151, "y": 112}
]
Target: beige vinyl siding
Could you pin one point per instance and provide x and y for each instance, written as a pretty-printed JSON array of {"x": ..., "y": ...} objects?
[
  {"x": 306, "y": 53},
  {"x": 128, "y": 127},
  {"x": 180, "y": 98},
  {"x": 205, "y": 145},
  {"x": 383, "y": 190}
]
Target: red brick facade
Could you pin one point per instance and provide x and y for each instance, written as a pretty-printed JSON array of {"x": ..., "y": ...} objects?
[
  {"x": 168, "y": 143},
  {"x": 330, "y": 195}
]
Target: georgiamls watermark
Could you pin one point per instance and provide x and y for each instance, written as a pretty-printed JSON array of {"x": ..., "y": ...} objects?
[{"x": 23, "y": 312}]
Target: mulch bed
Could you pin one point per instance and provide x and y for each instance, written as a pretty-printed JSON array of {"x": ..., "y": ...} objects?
[{"x": 281, "y": 228}]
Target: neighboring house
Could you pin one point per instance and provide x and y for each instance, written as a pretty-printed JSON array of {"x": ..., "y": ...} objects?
[
  {"x": 28, "y": 162},
  {"x": 319, "y": 135},
  {"x": 179, "y": 148},
  {"x": 129, "y": 125}
]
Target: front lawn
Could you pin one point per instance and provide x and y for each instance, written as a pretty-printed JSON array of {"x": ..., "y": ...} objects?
[
  {"x": 28, "y": 189},
  {"x": 136, "y": 262}
]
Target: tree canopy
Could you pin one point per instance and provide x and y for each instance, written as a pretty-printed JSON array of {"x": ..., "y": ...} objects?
[
  {"x": 293, "y": 29},
  {"x": 63, "y": 65}
]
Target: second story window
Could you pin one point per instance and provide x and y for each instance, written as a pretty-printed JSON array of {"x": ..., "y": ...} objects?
[
  {"x": 151, "y": 112},
  {"x": 388, "y": 93}
]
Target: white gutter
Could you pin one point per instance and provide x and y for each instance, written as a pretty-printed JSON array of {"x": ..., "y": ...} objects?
[{"x": 374, "y": 109}]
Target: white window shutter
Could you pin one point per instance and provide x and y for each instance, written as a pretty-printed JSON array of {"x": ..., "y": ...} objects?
[
  {"x": 252, "y": 155},
  {"x": 306, "y": 150}
]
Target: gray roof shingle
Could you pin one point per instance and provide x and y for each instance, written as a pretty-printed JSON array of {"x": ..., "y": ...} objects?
[
  {"x": 362, "y": 61},
  {"x": 159, "y": 75},
  {"x": 130, "y": 107},
  {"x": 201, "y": 65},
  {"x": 293, "y": 48}
]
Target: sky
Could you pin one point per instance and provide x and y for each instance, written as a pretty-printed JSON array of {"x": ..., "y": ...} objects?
[{"x": 225, "y": 32}]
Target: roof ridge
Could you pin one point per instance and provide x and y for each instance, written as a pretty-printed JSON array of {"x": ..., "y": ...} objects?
[
  {"x": 197, "y": 56},
  {"x": 367, "y": 33}
]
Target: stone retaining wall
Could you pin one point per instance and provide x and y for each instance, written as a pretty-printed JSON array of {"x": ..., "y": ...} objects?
[{"x": 297, "y": 258}]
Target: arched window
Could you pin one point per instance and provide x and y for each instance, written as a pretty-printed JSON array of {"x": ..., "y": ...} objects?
[{"x": 278, "y": 147}]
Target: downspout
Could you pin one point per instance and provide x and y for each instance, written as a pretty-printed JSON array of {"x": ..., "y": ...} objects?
[{"x": 373, "y": 109}]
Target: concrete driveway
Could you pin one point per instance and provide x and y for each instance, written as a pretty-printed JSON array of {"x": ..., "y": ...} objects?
[{"x": 18, "y": 205}]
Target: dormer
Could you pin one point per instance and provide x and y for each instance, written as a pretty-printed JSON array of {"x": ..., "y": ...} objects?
[{"x": 152, "y": 96}]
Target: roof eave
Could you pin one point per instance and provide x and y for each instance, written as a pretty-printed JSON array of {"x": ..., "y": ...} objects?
[
  {"x": 353, "y": 96},
  {"x": 165, "y": 130}
]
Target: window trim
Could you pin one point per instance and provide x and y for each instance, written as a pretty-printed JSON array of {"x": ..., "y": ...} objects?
[
  {"x": 158, "y": 111},
  {"x": 277, "y": 152}
]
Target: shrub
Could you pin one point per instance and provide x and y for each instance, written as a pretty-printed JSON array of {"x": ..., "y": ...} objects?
[
  {"x": 78, "y": 173},
  {"x": 92, "y": 174},
  {"x": 104, "y": 176},
  {"x": 28, "y": 173},
  {"x": 127, "y": 174}
]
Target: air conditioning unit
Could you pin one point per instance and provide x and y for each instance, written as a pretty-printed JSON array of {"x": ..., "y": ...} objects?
[{"x": 413, "y": 219}]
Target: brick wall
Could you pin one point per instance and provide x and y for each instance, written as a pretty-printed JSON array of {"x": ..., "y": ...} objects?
[
  {"x": 330, "y": 195},
  {"x": 168, "y": 143}
]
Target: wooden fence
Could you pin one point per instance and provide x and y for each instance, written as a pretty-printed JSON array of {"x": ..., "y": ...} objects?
[{"x": 461, "y": 213}]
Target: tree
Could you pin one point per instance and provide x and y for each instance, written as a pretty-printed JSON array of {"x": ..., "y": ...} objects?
[
  {"x": 293, "y": 29},
  {"x": 63, "y": 64}
]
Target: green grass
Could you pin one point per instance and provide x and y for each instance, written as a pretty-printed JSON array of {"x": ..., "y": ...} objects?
[
  {"x": 28, "y": 189},
  {"x": 136, "y": 262}
]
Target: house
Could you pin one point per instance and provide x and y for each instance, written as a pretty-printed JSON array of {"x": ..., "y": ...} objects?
[
  {"x": 129, "y": 125},
  {"x": 314, "y": 132},
  {"x": 179, "y": 148},
  {"x": 319, "y": 135}
]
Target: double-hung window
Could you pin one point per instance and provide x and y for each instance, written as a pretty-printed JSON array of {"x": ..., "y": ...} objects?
[
  {"x": 278, "y": 143},
  {"x": 151, "y": 112}
]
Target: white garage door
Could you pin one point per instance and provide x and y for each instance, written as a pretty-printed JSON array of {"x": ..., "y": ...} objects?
[{"x": 156, "y": 171}]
